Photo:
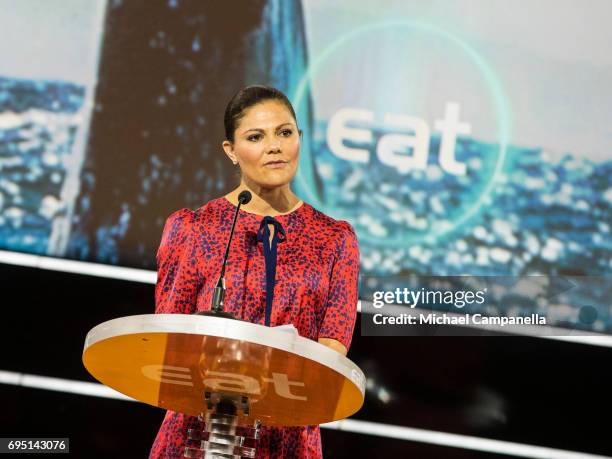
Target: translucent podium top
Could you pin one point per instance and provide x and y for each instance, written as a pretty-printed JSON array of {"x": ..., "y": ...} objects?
[{"x": 171, "y": 360}]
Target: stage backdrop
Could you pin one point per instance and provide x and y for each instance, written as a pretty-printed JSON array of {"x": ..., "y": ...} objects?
[{"x": 457, "y": 137}]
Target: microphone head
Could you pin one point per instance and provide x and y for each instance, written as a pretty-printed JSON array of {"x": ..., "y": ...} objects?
[{"x": 244, "y": 197}]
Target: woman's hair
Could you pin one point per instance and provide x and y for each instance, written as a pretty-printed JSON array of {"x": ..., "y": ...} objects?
[{"x": 246, "y": 98}]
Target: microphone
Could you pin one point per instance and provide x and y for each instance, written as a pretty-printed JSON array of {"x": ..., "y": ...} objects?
[{"x": 217, "y": 305}]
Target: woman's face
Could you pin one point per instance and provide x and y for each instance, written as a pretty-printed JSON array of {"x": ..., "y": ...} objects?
[{"x": 266, "y": 145}]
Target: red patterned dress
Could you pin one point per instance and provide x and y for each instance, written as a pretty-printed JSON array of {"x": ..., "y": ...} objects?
[{"x": 316, "y": 261}]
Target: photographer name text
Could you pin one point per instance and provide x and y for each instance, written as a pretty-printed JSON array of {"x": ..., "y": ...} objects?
[{"x": 454, "y": 319}]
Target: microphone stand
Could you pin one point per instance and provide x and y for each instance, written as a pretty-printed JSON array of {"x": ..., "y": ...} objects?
[{"x": 217, "y": 305}]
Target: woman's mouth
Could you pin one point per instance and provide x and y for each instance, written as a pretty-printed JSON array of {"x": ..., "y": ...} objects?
[{"x": 275, "y": 164}]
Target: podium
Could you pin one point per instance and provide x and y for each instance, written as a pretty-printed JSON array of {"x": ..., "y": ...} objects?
[{"x": 235, "y": 376}]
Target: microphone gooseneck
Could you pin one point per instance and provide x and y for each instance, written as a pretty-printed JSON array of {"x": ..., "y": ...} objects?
[
  {"x": 243, "y": 198},
  {"x": 217, "y": 306}
]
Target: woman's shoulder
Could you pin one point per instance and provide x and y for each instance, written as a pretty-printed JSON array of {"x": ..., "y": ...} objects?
[
  {"x": 202, "y": 214},
  {"x": 323, "y": 222}
]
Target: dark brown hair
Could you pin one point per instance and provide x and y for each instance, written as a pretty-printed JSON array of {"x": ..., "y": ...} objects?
[{"x": 247, "y": 97}]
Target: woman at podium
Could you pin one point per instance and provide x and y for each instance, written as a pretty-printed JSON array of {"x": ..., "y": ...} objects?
[{"x": 288, "y": 262}]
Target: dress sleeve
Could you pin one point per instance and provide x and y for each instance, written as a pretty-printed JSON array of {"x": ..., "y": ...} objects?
[
  {"x": 178, "y": 280},
  {"x": 341, "y": 309}
]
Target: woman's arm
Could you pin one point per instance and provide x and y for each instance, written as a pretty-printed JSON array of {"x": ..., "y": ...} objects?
[
  {"x": 336, "y": 330},
  {"x": 178, "y": 281}
]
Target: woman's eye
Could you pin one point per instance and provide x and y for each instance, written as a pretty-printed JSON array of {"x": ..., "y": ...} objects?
[
  {"x": 286, "y": 132},
  {"x": 254, "y": 137}
]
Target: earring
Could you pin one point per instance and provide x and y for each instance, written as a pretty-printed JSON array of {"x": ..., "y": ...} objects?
[{"x": 235, "y": 162}]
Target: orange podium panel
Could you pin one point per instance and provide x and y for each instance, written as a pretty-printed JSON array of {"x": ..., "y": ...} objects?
[{"x": 171, "y": 360}]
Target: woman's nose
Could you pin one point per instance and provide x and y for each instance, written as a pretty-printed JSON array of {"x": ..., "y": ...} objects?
[{"x": 274, "y": 145}]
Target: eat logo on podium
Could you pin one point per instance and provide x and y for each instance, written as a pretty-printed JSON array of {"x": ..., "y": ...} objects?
[{"x": 223, "y": 381}]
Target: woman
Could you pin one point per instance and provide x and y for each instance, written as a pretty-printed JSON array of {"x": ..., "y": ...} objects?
[{"x": 313, "y": 258}]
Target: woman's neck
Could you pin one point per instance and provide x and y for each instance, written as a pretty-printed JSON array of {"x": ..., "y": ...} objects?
[{"x": 271, "y": 202}]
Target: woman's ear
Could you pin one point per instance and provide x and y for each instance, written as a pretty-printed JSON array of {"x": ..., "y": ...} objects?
[{"x": 228, "y": 148}]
